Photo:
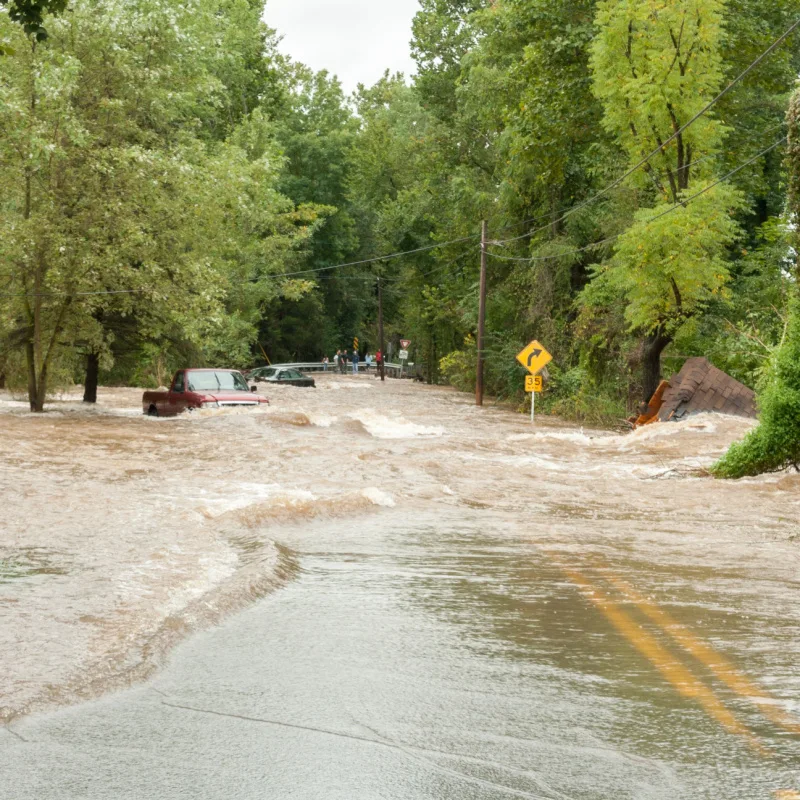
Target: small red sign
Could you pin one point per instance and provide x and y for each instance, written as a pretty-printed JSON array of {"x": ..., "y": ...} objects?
[{"x": 405, "y": 343}]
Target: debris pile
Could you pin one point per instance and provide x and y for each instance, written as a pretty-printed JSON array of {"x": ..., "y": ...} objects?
[{"x": 699, "y": 387}]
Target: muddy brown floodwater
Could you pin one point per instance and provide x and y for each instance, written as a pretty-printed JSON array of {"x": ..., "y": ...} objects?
[{"x": 380, "y": 591}]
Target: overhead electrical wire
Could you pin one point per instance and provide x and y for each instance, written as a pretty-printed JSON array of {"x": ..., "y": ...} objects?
[
  {"x": 660, "y": 149},
  {"x": 370, "y": 278},
  {"x": 427, "y": 248},
  {"x": 527, "y": 259},
  {"x": 569, "y": 252},
  {"x": 669, "y": 210},
  {"x": 281, "y": 276}
]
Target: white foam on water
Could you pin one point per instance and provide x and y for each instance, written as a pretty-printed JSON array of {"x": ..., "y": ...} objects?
[
  {"x": 698, "y": 423},
  {"x": 212, "y": 570},
  {"x": 338, "y": 385},
  {"x": 378, "y": 497},
  {"x": 321, "y": 420},
  {"x": 539, "y": 461},
  {"x": 579, "y": 437},
  {"x": 71, "y": 407},
  {"x": 13, "y": 405},
  {"x": 382, "y": 427},
  {"x": 243, "y": 495}
]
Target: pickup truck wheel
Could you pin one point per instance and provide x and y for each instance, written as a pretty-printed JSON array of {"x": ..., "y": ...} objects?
[{"x": 152, "y": 411}]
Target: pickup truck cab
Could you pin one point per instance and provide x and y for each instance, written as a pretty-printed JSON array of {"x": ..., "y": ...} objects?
[{"x": 201, "y": 388}]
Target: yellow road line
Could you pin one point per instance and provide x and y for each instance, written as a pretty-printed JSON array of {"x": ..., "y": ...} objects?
[
  {"x": 787, "y": 794},
  {"x": 684, "y": 682},
  {"x": 716, "y": 662}
]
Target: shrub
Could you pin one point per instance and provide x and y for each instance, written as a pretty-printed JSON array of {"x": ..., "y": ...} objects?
[
  {"x": 775, "y": 444},
  {"x": 573, "y": 395},
  {"x": 458, "y": 367}
]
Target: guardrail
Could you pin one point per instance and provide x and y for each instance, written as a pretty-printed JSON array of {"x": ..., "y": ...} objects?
[{"x": 392, "y": 370}]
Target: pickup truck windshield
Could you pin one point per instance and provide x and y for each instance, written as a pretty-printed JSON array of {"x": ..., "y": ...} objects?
[{"x": 216, "y": 381}]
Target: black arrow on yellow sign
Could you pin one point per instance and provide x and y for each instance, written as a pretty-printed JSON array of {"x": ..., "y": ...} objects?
[{"x": 534, "y": 354}]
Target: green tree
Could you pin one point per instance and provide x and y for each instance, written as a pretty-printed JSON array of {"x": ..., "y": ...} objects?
[
  {"x": 317, "y": 131},
  {"x": 115, "y": 202},
  {"x": 775, "y": 444},
  {"x": 655, "y": 68},
  {"x": 30, "y": 15}
]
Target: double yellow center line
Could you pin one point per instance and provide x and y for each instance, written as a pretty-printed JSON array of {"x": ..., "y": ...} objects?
[
  {"x": 683, "y": 681},
  {"x": 716, "y": 662},
  {"x": 673, "y": 670}
]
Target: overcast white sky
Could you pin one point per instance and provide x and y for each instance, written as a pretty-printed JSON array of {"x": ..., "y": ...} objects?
[{"x": 355, "y": 39}]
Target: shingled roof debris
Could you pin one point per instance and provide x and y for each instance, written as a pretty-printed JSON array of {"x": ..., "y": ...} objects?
[{"x": 700, "y": 386}]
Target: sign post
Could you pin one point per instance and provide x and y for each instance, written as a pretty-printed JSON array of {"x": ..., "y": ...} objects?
[
  {"x": 534, "y": 384},
  {"x": 403, "y": 354},
  {"x": 534, "y": 358}
]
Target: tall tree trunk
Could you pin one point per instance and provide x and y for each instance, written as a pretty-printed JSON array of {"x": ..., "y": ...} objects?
[
  {"x": 654, "y": 345},
  {"x": 36, "y": 356},
  {"x": 41, "y": 388},
  {"x": 433, "y": 374},
  {"x": 92, "y": 374},
  {"x": 30, "y": 360},
  {"x": 429, "y": 365}
]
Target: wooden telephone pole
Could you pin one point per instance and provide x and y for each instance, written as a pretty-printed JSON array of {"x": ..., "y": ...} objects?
[
  {"x": 380, "y": 331},
  {"x": 481, "y": 317}
]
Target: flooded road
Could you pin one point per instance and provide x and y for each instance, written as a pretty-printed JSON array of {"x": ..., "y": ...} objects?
[{"x": 372, "y": 591}]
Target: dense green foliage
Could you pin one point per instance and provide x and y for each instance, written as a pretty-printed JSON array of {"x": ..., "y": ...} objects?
[
  {"x": 775, "y": 444},
  {"x": 30, "y": 14},
  {"x": 140, "y": 204},
  {"x": 525, "y": 110},
  {"x": 166, "y": 155}
]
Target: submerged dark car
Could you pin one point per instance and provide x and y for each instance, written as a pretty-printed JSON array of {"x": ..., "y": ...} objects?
[{"x": 281, "y": 375}]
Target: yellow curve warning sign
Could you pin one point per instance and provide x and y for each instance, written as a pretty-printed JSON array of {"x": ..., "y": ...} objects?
[{"x": 534, "y": 357}]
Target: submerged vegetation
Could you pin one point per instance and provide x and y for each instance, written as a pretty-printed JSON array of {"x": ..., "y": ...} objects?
[{"x": 174, "y": 190}]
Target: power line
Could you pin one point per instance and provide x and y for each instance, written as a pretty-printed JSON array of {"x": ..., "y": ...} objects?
[
  {"x": 719, "y": 180},
  {"x": 568, "y": 213},
  {"x": 267, "y": 277},
  {"x": 669, "y": 210},
  {"x": 779, "y": 41},
  {"x": 569, "y": 252},
  {"x": 551, "y": 214},
  {"x": 388, "y": 257},
  {"x": 281, "y": 276},
  {"x": 681, "y": 204},
  {"x": 427, "y": 248},
  {"x": 432, "y": 271}
]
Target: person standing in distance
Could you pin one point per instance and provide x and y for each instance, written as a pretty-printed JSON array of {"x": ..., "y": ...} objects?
[{"x": 355, "y": 362}]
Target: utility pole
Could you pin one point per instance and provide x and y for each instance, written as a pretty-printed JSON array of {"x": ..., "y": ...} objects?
[
  {"x": 380, "y": 330},
  {"x": 481, "y": 316}
]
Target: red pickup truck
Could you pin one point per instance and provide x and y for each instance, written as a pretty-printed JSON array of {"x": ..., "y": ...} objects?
[{"x": 201, "y": 388}]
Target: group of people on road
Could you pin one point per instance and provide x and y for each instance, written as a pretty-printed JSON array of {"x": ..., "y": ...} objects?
[{"x": 342, "y": 359}]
